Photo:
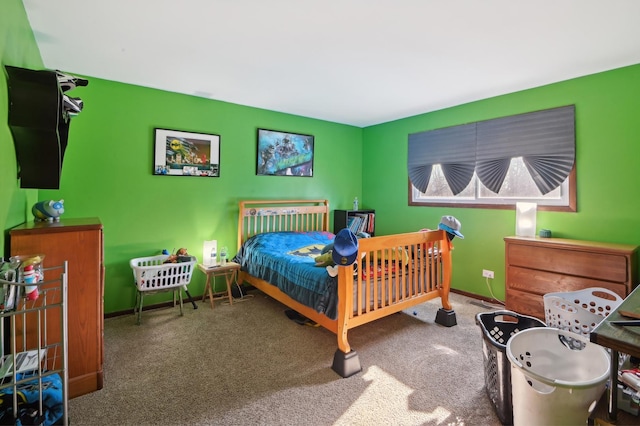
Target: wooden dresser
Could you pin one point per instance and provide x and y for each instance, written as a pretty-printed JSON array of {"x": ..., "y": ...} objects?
[
  {"x": 80, "y": 243},
  {"x": 536, "y": 266}
]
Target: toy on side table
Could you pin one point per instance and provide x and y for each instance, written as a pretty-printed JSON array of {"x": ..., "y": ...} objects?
[{"x": 48, "y": 211}]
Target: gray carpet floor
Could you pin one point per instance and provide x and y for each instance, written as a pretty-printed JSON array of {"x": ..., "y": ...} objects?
[{"x": 248, "y": 364}]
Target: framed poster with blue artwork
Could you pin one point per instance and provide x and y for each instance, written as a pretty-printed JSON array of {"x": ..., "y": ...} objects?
[{"x": 284, "y": 153}]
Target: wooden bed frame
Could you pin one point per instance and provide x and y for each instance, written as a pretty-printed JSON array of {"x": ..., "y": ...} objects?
[{"x": 424, "y": 277}]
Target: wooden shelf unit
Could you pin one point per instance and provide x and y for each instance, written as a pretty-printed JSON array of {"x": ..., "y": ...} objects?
[
  {"x": 80, "y": 243},
  {"x": 536, "y": 266},
  {"x": 341, "y": 219}
]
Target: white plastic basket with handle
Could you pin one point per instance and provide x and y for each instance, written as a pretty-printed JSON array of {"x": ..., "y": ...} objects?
[
  {"x": 557, "y": 376},
  {"x": 579, "y": 311},
  {"x": 152, "y": 275}
]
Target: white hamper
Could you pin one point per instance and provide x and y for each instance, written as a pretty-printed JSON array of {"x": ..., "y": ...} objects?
[
  {"x": 579, "y": 311},
  {"x": 551, "y": 383},
  {"x": 152, "y": 275}
]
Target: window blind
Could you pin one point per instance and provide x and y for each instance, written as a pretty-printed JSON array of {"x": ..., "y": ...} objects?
[
  {"x": 454, "y": 148},
  {"x": 544, "y": 139}
]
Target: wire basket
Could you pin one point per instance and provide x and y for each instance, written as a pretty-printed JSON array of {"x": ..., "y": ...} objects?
[{"x": 579, "y": 311}]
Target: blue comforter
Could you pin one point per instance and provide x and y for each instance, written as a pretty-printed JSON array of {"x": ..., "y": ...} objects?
[{"x": 287, "y": 260}]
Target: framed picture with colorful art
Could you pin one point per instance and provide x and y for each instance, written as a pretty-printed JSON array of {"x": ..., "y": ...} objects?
[
  {"x": 179, "y": 153},
  {"x": 284, "y": 153}
]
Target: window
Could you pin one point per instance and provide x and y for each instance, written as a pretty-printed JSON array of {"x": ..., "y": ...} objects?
[
  {"x": 496, "y": 163},
  {"x": 518, "y": 186}
]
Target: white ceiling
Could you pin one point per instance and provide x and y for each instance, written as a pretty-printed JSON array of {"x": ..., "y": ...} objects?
[{"x": 359, "y": 62}]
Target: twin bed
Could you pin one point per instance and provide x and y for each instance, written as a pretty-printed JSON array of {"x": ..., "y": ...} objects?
[{"x": 279, "y": 240}]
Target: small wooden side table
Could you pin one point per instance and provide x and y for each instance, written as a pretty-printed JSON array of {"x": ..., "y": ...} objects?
[{"x": 228, "y": 270}]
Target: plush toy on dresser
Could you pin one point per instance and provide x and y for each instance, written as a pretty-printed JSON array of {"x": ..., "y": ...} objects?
[{"x": 48, "y": 211}]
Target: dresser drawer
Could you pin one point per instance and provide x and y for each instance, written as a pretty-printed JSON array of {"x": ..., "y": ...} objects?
[
  {"x": 537, "y": 266},
  {"x": 597, "y": 266},
  {"x": 543, "y": 282}
]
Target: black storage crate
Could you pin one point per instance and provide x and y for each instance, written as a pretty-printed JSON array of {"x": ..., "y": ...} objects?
[{"x": 497, "y": 327}]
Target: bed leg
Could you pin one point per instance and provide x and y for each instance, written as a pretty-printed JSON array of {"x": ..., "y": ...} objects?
[
  {"x": 446, "y": 317},
  {"x": 346, "y": 364}
]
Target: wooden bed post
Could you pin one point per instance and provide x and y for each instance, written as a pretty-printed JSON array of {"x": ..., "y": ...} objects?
[
  {"x": 345, "y": 360},
  {"x": 446, "y": 315}
]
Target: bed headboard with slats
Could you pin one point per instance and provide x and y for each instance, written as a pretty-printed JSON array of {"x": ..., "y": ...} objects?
[{"x": 257, "y": 217}]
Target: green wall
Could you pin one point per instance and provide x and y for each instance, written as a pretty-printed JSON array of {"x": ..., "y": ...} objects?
[
  {"x": 108, "y": 164},
  {"x": 107, "y": 170},
  {"x": 17, "y": 48},
  {"x": 107, "y": 173},
  {"x": 608, "y": 182}
]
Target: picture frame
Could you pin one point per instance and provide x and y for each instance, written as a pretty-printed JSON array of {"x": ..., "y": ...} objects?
[
  {"x": 179, "y": 153},
  {"x": 284, "y": 153}
]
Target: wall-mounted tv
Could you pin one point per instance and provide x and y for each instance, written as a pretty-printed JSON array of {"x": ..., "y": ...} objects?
[{"x": 39, "y": 123}]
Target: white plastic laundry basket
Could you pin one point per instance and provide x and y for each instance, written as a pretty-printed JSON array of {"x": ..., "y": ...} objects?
[
  {"x": 557, "y": 377},
  {"x": 152, "y": 275},
  {"x": 579, "y": 311}
]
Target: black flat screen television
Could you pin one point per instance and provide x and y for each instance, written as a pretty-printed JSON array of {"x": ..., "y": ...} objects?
[{"x": 39, "y": 126}]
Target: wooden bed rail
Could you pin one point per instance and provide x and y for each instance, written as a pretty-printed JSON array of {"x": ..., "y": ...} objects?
[
  {"x": 257, "y": 217},
  {"x": 396, "y": 272}
]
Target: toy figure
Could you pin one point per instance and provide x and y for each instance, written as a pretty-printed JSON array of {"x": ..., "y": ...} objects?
[
  {"x": 29, "y": 276},
  {"x": 175, "y": 258},
  {"x": 48, "y": 210}
]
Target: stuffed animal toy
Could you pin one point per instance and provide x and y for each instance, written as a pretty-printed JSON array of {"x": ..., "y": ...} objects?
[
  {"x": 48, "y": 210},
  {"x": 175, "y": 258},
  {"x": 325, "y": 259},
  {"x": 391, "y": 255}
]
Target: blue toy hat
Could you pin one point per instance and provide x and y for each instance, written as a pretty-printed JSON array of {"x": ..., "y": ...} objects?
[
  {"x": 345, "y": 248},
  {"x": 451, "y": 225}
]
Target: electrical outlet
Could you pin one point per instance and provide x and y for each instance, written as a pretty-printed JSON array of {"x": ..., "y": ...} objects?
[{"x": 487, "y": 273}]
